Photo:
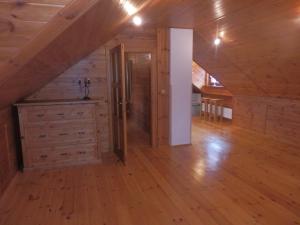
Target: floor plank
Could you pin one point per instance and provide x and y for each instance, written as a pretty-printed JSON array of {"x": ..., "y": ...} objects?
[{"x": 228, "y": 176}]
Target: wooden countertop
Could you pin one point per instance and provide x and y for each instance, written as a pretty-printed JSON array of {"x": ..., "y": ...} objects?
[
  {"x": 221, "y": 91},
  {"x": 57, "y": 102}
]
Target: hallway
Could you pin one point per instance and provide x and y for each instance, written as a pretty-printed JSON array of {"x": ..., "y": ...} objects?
[{"x": 224, "y": 178}]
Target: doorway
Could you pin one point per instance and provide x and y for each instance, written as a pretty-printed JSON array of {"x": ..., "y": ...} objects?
[
  {"x": 133, "y": 91},
  {"x": 138, "y": 68}
]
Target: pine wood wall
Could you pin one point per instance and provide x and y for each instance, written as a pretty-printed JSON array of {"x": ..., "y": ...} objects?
[
  {"x": 96, "y": 68},
  {"x": 163, "y": 69},
  {"x": 8, "y": 164},
  {"x": 275, "y": 117},
  {"x": 66, "y": 87},
  {"x": 141, "y": 92}
]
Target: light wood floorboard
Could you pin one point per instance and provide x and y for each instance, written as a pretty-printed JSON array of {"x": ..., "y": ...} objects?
[{"x": 227, "y": 177}]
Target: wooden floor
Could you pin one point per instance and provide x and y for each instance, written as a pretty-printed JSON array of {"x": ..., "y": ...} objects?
[{"x": 226, "y": 177}]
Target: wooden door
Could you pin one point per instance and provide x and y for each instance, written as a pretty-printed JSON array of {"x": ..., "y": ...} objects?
[{"x": 119, "y": 102}]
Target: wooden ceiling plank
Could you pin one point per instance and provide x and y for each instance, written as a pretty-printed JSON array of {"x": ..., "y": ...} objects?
[
  {"x": 260, "y": 42},
  {"x": 29, "y": 12},
  {"x": 11, "y": 27},
  {"x": 75, "y": 32}
]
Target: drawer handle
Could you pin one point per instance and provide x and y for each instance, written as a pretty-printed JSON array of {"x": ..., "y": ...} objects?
[
  {"x": 81, "y": 132},
  {"x": 60, "y": 114},
  {"x": 40, "y": 115},
  {"x": 42, "y": 136},
  {"x": 63, "y": 134},
  {"x": 82, "y": 153},
  {"x": 64, "y": 154},
  {"x": 80, "y": 113},
  {"x": 44, "y": 156}
]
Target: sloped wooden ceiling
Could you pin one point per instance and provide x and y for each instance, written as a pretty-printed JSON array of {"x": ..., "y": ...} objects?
[
  {"x": 79, "y": 28},
  {"x": 259, "y": 54},
  {"x": 21, "y": 21}
]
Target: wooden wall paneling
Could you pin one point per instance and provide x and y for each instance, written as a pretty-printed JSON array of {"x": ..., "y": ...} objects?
[
  {"x": 163, "y": 85},
  {"x": 4, "y": 158},
  {"x": 96, "y": 67},
  {"x": 283, "y": 120},
  {"x": 278, "y": 118},
  {"x": 242, "y": 66},
  {"x": 140, "y": 113},
  {"x": 154, "y": 99},
  {"x": 89, "y": 23},
  {"x": 249, "y": 114},
  {"x": 109, "y": 98},
  {"x": 135, "y": 39},
  {"x": 8, "y": 162},
  {"x": 66, "y": 87}
]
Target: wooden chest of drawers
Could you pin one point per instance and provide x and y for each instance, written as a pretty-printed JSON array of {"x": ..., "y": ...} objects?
[{"x": 59, "y": 133}]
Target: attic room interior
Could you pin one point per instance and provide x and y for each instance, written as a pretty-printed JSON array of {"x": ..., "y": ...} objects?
[{"x": 153, "y": 112}]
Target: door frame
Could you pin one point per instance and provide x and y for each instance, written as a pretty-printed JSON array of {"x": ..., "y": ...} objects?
[
  {"x": 154, "y": 90},
  {"x": 121, "y": 103}
]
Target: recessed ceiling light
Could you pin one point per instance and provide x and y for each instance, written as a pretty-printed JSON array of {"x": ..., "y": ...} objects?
[
  {"x": 137, "y": 20},
  {"x": 222, "y": 34},
  {"x": 217, "y": 41}
]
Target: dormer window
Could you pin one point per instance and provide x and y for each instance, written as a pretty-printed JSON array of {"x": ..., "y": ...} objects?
[{"x": 213, "y": 82}]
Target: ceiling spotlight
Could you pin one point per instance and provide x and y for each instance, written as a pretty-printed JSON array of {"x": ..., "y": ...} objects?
[
  {"x": 222, "y": 34},
  {"x": 129, "y": 8},
  {"x": 217, "y": 41},
  {"x": 137, "y": 20}
]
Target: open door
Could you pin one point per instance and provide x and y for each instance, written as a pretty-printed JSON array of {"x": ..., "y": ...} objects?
[{"x": 119, "y": 102}]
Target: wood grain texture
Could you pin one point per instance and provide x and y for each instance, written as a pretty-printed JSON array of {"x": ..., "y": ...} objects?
[
  {"x": 96, "y": 68},
  {"x": 8, "y": 162},
  {"x": 163, "y": 85},
  {"x": 21, "y": 21},
  {"x": 57, "y": 134},
  {"x": 198, "y": 76},
  {"x": 202, "y": 184},
  {"x": 260, "y": 45},
  {"x": 278, "y": 118},
  {"x": 259, "y": 53},
  {"x": 66, "y": 87},
  {"x": 76, "y": 31},
  {"x": 140, "y": 105}
]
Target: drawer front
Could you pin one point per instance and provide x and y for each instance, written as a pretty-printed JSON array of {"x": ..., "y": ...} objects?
[
  {"x": 60, "y": 113},
  {"x": 49, "y": 157},
  {"x": 58, "y": 134}
]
